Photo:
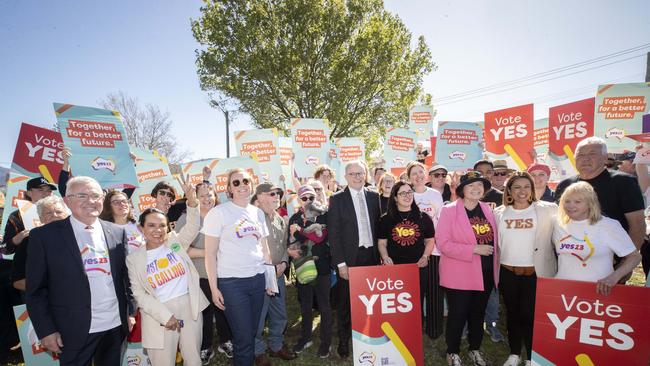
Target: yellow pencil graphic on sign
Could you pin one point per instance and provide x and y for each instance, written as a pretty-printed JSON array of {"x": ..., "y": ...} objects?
[
  {"x": 569, "y": 154},
  {"x": 584, "y": 360},
  {"x": 513, "y": 154},
  {"x": 397, "y": 341},
  {"x": 45, "y": 173}
]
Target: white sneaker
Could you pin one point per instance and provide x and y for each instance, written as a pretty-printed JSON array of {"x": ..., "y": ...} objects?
[
  {"x": 453, "y": 359},
  {"x": 478, "y": 358},
  {"x": 513, "y": 360}
]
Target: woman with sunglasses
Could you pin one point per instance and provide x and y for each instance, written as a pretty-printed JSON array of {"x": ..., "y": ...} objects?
[
  {"x": 211, "y": 314},
  {"x": 236, "y": 252},
  {"x": 524, "y": 226},
  {"x": 117, "y": 209},
  {"x": 385, "y": 184},
  {"x": 467, "y": 239},
  {"x": 304, "y": 218},
  {"x": 165, "y": 285},
  {"x": 164, "y": 194},
  {"x": 406, "y": 235}
]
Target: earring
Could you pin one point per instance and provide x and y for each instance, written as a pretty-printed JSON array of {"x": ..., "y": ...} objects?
[{"x": 509, "y": 200}]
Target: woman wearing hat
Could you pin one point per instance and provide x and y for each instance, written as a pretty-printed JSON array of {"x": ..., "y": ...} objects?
[
  {"x": 305, "y": 225},
  {"x": 540, "y": 174},
  {"x": 466, "y": 236},
  {"x": 524, "y": 226}
]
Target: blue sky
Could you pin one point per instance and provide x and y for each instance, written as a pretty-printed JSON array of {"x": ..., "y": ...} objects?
[{"x": 78, "y": 51}]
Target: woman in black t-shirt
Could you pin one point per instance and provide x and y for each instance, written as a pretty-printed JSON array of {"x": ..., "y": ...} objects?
[
  {"x": 406, "y": 235},
  {"x": 384, "y": 186}
]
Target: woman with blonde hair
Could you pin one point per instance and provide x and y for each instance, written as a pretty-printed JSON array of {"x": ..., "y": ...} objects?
[
  {"x": 236, "y": 252},
  {"x": 586, "y": 241},
  {"x": 524, "y": 226},
  {"x": 384, "y": 187}
]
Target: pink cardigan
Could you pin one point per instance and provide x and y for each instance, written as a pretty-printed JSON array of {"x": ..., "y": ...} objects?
[{"x": 460, "y": 268}]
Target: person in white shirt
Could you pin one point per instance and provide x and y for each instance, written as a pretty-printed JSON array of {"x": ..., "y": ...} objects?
[
  {"x": 117, "y": 209},
  {"x": 524, "y": 227},
  {"x": 165, "y": 284},
  {"x": 236, "y": 252},
  {"x": 586, "y": 241}
]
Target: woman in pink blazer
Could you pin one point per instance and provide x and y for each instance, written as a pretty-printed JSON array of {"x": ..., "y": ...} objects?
[{"x": 467, "y": 240}]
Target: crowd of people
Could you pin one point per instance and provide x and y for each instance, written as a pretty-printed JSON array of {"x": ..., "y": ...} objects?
[{"x": 191, "y": 265}]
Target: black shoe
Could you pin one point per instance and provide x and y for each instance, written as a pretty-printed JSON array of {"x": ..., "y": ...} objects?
[{"x": 343, "y": 350}]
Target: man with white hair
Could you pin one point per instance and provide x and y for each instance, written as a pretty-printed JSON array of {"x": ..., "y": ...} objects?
[
  {"x": 618, "y": 193},
  {"x": 77, "y": 281},
  {"x": 50, "y": 208}
]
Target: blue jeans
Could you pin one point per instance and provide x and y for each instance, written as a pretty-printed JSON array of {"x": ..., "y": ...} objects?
[
  {"x": 492, "y": 309},
  {"x": 273, "y": 308},
  {"x": 243, "y": 298}
]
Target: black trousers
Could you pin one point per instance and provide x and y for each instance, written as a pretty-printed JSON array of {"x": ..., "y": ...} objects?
[
  {"x": 365, "y": 257},
  {"x": 435, "y": 299},
  {"x": 9, "y": 297},
  {"x": 102, "y": 349},
  {"x": 211, "y": 315},
  {"x": 519, "y": 297},
  {"x": 467, "y": 306},
  {"x": 321, "y": 288}
]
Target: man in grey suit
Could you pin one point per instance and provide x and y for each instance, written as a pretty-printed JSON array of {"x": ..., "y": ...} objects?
[{"x": 352, "y": 218}]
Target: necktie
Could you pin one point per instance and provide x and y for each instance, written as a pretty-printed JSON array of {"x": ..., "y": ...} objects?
[{"x": 365, "y": 239}]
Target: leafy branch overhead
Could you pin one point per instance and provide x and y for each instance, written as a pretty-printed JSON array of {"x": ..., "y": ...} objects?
[{"x": 351, "y": 62}]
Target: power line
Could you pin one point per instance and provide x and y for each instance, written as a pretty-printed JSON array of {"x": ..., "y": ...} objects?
[
  {"x": 537, "y": 82},
  {"x": 541, "y": 74}
]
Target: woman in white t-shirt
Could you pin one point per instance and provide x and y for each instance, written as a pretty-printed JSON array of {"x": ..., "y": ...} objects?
[
  {"x": 586, "y": 241},
  {"x": 429, "y": 201},
  {"x": 235, "y": 255},
  {"x": 117, "y": 209},
  {"x": 165, "y": 285},
  {"x": 524, "y": 226}
]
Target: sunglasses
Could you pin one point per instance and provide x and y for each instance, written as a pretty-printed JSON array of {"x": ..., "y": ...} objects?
[
  {"x": 237, "y": 182},
  {"x": 166, "y": 193},
  {"x": 305, "y": 199},
  {"x": 500, "y": 174},
  {"x": 439, "y": 175},
  {"x": 272, "y": 193}
]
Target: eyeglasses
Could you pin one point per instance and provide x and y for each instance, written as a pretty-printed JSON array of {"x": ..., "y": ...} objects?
[
  {"x": 357, "y": 174},
  {"x": 237, "y": 182},
  {"x": 500, "y": 174},
  {"x": 404, "y": 194},
  {"x": 439, "y": 175},
  {"x": 166, "y": 193},
  {"x": 86, "y": 196},
  {"x": 305, "y": 199},
  {"x": 119, "y": 202}
]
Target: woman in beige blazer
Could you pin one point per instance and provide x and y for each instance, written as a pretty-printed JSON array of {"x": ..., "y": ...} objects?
[
  {"x": 525, "y": 228},
  {"x": 165, "y": 285}
]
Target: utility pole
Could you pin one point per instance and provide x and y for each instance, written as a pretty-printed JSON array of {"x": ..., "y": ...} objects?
[
  {"x": 226, "y": 114},
  {"x": 647, "y": 69}
]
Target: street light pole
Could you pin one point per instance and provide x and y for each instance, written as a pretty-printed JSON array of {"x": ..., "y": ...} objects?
[{"x": 226, "y": 113}]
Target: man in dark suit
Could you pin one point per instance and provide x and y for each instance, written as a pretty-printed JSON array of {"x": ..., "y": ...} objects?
[
  {"x": 352, "y": 218},
  {"x": 77, "y": 282}
]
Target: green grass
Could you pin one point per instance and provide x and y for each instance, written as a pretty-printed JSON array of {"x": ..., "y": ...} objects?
[{"x": 434, "y": 350}]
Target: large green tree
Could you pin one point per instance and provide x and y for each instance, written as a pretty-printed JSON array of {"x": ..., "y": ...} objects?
[{"x": 349, "y": 61}]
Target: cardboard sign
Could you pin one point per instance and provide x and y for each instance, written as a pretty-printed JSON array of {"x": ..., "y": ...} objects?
[
  {"x": 509, "y": 135},
  {"x": 458, "y": 145},
  {"x": 310, "y": 139},
  {"x": 399, "y": 149},
  {"x": 16, "y": 187},
  {"x": 348, "y": 149},
  {"x": 151, "y": 168},
  {"x": 28, "y": 214},
  {"x": 386, "y": 317},
  {"x": 576, "y": 326},
  {"x": 30, "y": 345},
  {"x": 39, "y": 152},
  {"x": 262, "y": 145},
  {"x": 421, "y": 121},
  {"x": 97, "y": 140},
  {"x": 568, "y": 124},
  {"x": 619, "y": 111},
  {"x": 286, "y": 163},
  {"x": 540, "y": 140}
]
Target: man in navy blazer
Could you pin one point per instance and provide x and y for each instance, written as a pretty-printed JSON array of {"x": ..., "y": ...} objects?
[
  {"x": 77, "y": 283},
  {"x": 351, "y": 220}
]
